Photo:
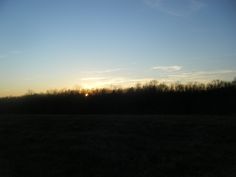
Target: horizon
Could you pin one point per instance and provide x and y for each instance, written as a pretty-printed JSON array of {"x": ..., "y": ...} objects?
[
  {"x": 69, "y": 44},
  {"x": 170, "y": 86}
]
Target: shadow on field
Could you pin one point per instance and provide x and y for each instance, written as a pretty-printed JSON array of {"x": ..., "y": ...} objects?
[{"x": 117, "y": 146}]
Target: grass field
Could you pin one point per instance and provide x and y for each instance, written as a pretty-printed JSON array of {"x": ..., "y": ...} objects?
[{"x": 117, "y": 146}]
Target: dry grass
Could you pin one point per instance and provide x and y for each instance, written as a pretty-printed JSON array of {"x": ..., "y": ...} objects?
[{"x": 117, "y": 146}]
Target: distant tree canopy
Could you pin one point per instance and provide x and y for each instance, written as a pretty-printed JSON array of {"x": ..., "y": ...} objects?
[{"x": 217, "y": 97}]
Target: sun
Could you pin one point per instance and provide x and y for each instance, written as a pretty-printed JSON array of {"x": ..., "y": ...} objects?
[{"x": 86, "y": 94}]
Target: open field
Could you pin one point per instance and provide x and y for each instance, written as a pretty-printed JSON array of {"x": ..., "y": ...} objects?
[{"x": 117, "y": 146}]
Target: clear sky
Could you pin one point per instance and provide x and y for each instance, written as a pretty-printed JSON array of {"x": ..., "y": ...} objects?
[{"x": 54, "y": 44}]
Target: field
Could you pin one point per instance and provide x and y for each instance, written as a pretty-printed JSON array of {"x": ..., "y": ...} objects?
[{"x": 117, "y": 146}]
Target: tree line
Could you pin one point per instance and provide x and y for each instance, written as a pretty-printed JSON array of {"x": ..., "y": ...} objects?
[{"x": 216, "y": 97}]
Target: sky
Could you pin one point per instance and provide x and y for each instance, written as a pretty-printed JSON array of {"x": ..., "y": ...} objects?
[{"x": 69, "y": 44}]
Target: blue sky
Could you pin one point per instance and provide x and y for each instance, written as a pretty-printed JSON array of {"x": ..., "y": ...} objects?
[{"x": 54, "y": 44}]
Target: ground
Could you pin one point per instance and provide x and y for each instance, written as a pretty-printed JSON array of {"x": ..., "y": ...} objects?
[{"x": 117, "y": 146}]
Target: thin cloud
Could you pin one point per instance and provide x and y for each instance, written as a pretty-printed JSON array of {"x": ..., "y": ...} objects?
[
  {"x": 10, "y": 53},
  {"x": 183, "y": 8},
  {"x": 204, "y": 73},
  {"x": 141, "y": 80},
  {"x": 108, "y": 71},
  {"x": 93, "y": 78},
  {"x": 130, "y": 81},
  {"x": 167, "y": 68},
  {"x": 15, "y": 51},
  {"x": 203, "y": 76},
  {"x": 112, "y": 82},
  {"x": 103, "y": 71},
  {"x": 3, "y": 56},
  {"x": 170, "y": 77}
]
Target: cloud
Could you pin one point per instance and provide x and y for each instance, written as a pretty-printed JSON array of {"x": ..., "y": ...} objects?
[
  {"x": 15, "y": 52},
  {"x": 203, "y": 76},
  {"x": 3, "y": 56},
  {"x": 171, "y": 74},
  {"x": 176, "y": 8},
  {"x": 10, "y": 53},
  {"x": 204, "y": 73},
  {"x": 167, "y": 68},
  {"x": 107, "y": 82},
  {"x": 103, "y": 71},
  {"x": 93, "y": 78},
  {"x": 108, "y": 71}
]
